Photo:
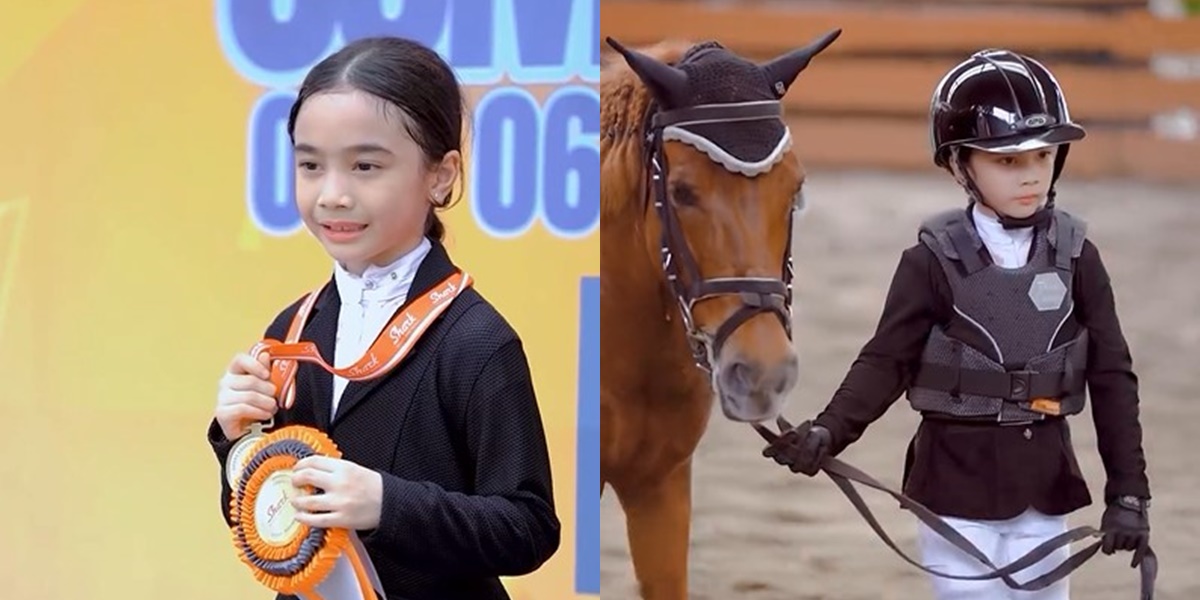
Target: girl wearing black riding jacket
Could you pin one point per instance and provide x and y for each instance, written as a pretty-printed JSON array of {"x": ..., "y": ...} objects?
[{"x": 995, "y": 323}]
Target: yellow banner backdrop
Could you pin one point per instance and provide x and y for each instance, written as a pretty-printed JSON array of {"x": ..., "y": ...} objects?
[{"x": 147, "y": 234}]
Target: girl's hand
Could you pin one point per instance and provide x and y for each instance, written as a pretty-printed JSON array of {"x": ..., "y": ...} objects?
[
  {"x": 802, "y": 448},
  {"x": 352, "y": 495},
  {"x": 245, "y": 394}
]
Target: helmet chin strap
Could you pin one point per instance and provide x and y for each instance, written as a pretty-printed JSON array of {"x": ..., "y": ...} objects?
[{"x": 1040, "y": 216}]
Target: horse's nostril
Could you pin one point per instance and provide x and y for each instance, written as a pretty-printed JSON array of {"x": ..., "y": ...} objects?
[
  {"x": 742, "y": 375},
  {"x": 738, "y": 372},
  {"x": 781, "y": 386},
  {"x": 749, "y": 378}
]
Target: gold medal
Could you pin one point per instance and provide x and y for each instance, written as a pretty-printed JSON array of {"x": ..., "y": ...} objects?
[{"x": 240, "y": 453}]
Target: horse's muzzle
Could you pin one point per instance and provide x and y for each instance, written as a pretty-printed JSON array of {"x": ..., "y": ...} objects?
[{"x": 751, "y": 391}]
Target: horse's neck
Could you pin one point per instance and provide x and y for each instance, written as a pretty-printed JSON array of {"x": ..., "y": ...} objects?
[
  {"x": 631, "y": 272},
  {"x": 632, "y": 275},
  {"x": 640, "y": 318}
]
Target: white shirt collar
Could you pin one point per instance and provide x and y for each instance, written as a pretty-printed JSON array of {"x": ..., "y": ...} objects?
[{"x": 381, "y": 283}]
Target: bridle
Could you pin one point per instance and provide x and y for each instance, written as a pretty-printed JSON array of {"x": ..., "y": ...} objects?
[{"x": 758, "y": 294}]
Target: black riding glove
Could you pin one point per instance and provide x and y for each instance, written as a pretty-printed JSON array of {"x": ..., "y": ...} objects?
[
  {"x": 802, "y": 448},
  {"x": 1126, "y": 526}
]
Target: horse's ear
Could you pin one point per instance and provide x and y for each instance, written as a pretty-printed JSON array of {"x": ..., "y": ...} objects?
[
  {"x": 782, "y": 71},
  {"x": 667, "y": 83}
]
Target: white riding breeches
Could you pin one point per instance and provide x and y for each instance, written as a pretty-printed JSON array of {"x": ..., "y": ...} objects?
[{"x": 1003, "y": 542}]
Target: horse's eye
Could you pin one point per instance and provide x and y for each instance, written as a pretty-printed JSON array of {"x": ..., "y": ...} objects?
[{"x": 684, "y": 194}]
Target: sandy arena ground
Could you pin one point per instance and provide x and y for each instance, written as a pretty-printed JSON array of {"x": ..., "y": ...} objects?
[{"x": 761, "y": 533}]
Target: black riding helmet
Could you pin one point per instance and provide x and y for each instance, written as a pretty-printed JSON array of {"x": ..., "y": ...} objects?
[{"x": 1001, "y": 101}]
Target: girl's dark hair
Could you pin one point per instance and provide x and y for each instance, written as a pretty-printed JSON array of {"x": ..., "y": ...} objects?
[{"x": 410, "y": 76}]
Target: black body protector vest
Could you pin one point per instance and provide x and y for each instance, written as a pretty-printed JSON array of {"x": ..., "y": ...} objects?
[{"x": 1005, "y": 365}]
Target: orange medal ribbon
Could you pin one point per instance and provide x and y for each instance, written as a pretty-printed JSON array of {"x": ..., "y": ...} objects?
[{"x": 388, "y": 350}]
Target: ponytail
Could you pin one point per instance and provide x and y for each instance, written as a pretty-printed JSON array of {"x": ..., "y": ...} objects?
[{"x": 434, "y": 228}]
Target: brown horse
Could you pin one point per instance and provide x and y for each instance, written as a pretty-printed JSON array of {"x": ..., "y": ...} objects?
[{"x": 698, "y": 188}]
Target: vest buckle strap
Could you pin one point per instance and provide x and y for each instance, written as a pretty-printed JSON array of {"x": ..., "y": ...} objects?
[{"x": 1020, "y": 386}]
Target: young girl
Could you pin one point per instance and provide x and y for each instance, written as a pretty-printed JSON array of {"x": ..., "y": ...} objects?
[
  {"x": 993, "y": 325},
  {"x": 444, "y": 473}
]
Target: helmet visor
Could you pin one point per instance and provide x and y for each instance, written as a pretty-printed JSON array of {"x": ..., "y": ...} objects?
[{"x": 1000, "y": 130}]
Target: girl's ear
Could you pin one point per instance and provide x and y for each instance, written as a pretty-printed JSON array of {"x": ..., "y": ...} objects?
[{"x": 442, "y": 177}]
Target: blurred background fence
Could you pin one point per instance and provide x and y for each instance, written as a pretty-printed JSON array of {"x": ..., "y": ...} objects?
[{"x": 1131, "y": 70}]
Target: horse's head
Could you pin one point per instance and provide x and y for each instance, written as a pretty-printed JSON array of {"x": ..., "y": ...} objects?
[{"x": 724, "y": 184}]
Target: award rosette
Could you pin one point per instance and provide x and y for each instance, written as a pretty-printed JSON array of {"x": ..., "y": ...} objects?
[{"x": 284, "y": 554}]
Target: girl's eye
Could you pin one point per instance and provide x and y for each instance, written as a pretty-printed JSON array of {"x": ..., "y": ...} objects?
[
  {"x": 308, "y": 165},
  {"x": 364, "y": 166}
]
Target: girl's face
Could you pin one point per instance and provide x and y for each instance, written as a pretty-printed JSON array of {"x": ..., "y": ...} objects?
[
  {"x": 1013, "y": 184},
  {"x": 363, "y": 186}
]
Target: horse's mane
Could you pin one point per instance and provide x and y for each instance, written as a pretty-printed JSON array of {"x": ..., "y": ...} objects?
[{"x": 624, "y": 101}]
